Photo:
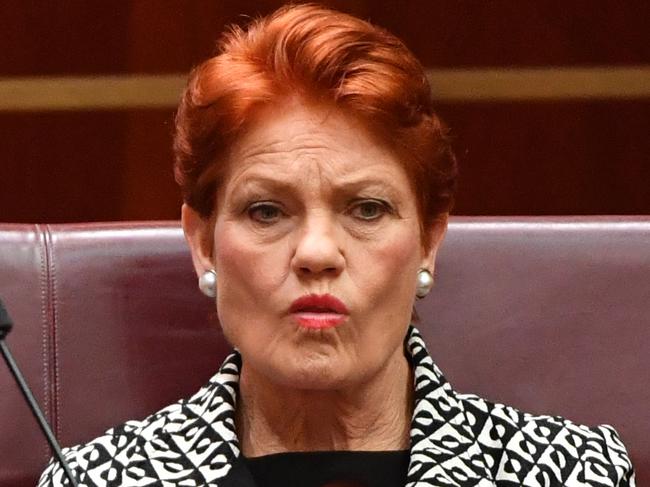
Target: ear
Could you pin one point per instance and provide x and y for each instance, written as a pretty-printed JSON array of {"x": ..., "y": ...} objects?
[
  {"x": 436, "y": 234},
  {"x": 198, "y": 233}
]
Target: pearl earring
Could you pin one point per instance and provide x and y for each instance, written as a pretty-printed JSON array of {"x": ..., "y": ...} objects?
[
  {"x": 425, "y": 283},
  {"x": 208, "y": 283}
]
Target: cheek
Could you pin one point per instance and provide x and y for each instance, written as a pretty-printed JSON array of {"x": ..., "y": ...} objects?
[
  {"x": 396, "y": 259},
  {"x": 386, "y": 278},
  {"x": 247, "y": 273},
  {"x": 243, "y": 262}
]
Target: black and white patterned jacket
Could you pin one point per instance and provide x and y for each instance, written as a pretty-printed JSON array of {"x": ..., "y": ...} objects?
[{"x": 456, "y": 440}]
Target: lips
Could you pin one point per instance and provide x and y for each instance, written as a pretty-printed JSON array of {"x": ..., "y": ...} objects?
[
  {"x": 318, "y": 303},
  {"x": 318, "y": 311}
]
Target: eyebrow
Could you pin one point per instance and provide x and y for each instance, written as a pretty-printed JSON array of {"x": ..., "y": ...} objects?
[
  {"x": 254, "y": 182},
  {"x": 351, "y": 186}
]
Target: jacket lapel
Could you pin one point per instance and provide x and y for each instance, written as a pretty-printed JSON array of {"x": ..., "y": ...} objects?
[{"x": 444, "y": 449}]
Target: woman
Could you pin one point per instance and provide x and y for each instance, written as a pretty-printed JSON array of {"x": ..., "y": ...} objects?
[{"x": 317, "y": 183}]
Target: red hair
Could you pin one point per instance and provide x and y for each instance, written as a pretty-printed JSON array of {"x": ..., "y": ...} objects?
[{"x": 323, "y": 55}]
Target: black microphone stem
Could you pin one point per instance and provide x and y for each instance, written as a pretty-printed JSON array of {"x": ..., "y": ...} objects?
[{"x": 36, "y": 410}]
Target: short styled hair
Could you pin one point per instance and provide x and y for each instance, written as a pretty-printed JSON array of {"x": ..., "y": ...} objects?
[{"x": 322, "y": 55}]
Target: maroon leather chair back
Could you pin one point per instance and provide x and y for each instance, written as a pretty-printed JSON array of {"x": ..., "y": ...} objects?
[
  {"x": 551, "y": 315},
  {"x": 109, "y": 326}
]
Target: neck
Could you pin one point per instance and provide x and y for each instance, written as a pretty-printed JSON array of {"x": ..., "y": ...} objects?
[{"x": 373, "y": 416}]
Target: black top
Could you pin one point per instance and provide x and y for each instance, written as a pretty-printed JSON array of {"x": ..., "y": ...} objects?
[{"x": 317, "y": 469}]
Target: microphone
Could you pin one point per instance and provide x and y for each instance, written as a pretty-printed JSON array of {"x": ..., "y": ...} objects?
[
  {"x": 5, "y": 322},
  {"x": 5, "y": 327}
]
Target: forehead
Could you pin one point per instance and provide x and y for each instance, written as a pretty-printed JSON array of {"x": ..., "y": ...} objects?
[{"x": 296, "y": 142}]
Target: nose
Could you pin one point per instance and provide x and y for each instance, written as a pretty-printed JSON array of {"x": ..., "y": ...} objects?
[{"x": 317, "y": 248}]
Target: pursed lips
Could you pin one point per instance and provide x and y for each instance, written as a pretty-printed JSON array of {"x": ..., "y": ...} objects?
[{"x": 318, "y": 311}]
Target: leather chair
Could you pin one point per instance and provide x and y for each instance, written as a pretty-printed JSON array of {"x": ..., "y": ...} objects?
[{"x": 551, "y": 315}]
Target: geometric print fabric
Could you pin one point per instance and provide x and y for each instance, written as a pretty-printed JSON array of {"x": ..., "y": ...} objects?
[{"x": 457, "y": 440}]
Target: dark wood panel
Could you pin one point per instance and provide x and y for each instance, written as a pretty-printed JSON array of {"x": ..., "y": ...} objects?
[
  {"x": 70, "y": 37},
  {"x": 148, "y": 179},
  {"x": 69, "y": 167},
  {"x": 60, "y": 167},
  {"x": 79, "y": 37},
  {"x": 552, "y": 158},
  {"x": 528, "y": 33}
]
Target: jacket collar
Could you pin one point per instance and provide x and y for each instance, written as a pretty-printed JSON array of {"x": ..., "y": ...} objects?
[{"x": 444, "y": 449}]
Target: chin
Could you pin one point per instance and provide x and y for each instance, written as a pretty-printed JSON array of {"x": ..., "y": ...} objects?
[{"x": 317, "y": 372}]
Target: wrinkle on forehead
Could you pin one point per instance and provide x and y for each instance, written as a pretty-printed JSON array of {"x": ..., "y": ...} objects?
[
  {"x": 306, "y": 142},
  {"x": 305, "y": 126},
  {"x": 313, "y": 175}
]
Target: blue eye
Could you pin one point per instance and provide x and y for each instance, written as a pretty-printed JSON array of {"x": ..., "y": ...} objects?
[
  {"x": 265, "y": 212},
  {"x": 370, "y": 210}
]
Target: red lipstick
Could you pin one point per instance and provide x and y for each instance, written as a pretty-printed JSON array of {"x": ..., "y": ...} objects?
[{"x": 319, "y": 311}]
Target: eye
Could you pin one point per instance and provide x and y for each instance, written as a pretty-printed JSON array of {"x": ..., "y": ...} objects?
[
  {"x": 370, "y": 210},
  {"x": 265, "y": 212}
]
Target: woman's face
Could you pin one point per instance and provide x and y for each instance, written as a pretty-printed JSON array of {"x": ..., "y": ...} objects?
[{"x": 314, "y": 205}]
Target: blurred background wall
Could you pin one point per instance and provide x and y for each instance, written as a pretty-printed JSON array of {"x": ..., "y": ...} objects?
[{"x": 548, "y": 101}]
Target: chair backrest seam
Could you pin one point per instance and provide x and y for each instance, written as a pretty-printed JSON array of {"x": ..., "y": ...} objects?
[
  {"x": 46, "y": 344},
  {"x": 56, "y": 382}
]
